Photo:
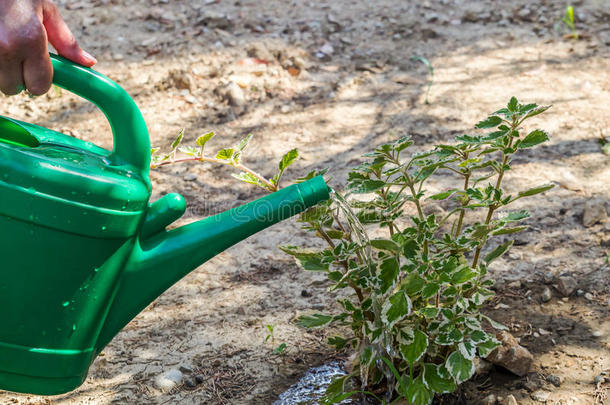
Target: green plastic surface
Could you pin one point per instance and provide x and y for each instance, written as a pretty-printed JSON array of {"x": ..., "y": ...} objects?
[{"x": 83, "y": 251}]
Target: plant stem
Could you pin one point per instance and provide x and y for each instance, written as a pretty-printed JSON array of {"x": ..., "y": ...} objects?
[
  {"x": 458, "y": 229},
  {"x": 268, "y": 185}
]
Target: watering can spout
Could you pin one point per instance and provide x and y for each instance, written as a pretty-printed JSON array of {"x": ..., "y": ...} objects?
[{"x": 162, "y": 258}]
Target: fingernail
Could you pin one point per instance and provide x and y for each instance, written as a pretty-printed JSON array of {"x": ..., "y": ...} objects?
[{"x": 90, "y": 57}]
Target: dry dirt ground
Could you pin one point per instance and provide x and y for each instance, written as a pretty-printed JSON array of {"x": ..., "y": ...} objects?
[{"x": 335, "y": 79}]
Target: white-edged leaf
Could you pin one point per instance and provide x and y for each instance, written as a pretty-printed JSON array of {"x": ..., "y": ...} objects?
[
  {"x": 418, "y": 393},
  {"x": 460, "y": 368},
  {"x": 177, "y": 141},
  {"x": 468, "y": 349},
  {"x": 436, "y": 381},
  {"x": 396, "y": 308},
  {"x": 414, "y": 351},
  {"x": 498, "y": 251}
]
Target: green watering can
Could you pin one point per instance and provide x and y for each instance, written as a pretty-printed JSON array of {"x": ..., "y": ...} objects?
[{"x": 83, "y": 251}]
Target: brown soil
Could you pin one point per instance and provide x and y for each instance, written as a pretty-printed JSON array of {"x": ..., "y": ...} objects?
[{"x": 176, "y": 59}]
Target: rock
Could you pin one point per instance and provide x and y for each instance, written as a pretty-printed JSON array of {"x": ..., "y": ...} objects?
[
  {"x": 235, "y": 95},
  {"x": 554, "y": 379},
  {"x": 566, "y": 285},
  {"x": 546, "y": 294},
  {"x": 589, "y": 296},
  {"x": 327, "y": 49},
  {"x": 489, "y": 400},
  {"x": 305, "y": 294},
  {"x": 540, "y": 395},
  {"x": 543, "y": 332},
  {"x": 215, "y": 20},
  {"x": 190, "y": 177},
  {"x": 482, "y": 366},
  {"x": 190, "y": 383},
  {"x": 594, "y": 212},
  {"x": 199, "y": 378},
  {"x": 514, "y": 284},
  {"x": 598, "y": 379},
  {"x": 548, "y": 277},
  {"x": 597, "y": 333},
  {"x": 180, "y": 79},
  {"x": 511, "y": 355},
  {"x": 510, "y": 400},
  {"x": 168, "y": 380}
]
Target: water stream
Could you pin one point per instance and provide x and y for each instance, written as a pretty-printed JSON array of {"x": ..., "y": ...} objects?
[{"x": 312, "y": 386}]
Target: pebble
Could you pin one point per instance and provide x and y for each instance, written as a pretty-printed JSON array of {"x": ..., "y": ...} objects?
[
  {"x": 540, "y": 395},
  {"x": 189, "y": 382},
  {"x": 597, "y": 333},
  {"x": 510, "y": 400},
  {"x": 554, "y": 379},
  {"x": 489, "y": 400},
  {"x": 511, "y": 355},
  {"x": 235, "y": 94},
  {"x": 566, "y": 285},
  {"x": 199, "y": 378},
  {"x": 168, "y": 380},
  {"x": 546, "y": 294},
  {"x": 589, "y": 296},
  {"x": 190, "y": 177},
  {"x": 594, "y": 212}
]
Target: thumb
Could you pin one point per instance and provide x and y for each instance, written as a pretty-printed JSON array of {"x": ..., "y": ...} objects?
[{"x": 62, "y": 38}]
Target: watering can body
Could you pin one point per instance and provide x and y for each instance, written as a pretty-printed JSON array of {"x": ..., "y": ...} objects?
[{"x": 83, "y": 250}]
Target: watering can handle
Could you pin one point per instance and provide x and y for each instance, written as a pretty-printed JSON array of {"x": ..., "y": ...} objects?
[{"x": 131, "y": 142}]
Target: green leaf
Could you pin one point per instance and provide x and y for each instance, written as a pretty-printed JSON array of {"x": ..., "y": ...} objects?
[
  {"x": 413, "y": 283},
  {"x": 467, "y": 349},
  {"x": 396, "y": 308},
  {"x": 537, "y": 111},
  {"x": 402, "y": 385},
  {"x": 513, "y": 104},
  {"x": 430, "y": 290},
  {"x": 536, "y": 190},
  {"x": 534, "y": 138},
  {"x": 189, "y": 150},
  {"x": 488, "y": 346},
  {"x": 243, "y": 143},
  {"x": 338, "y": 342},
  {"x": 414, "y": 351},
  {"x": 499, "y": 251},
  {"x": 490, "y": 122},
  {"x": 463, "y": 275},
  {"x": 437, "y": 382},
  {"x": 335, "y": 389},
  {"x": 459, "y": 367},
  {"x": 385, "y": 244},
  {"x": 248, "y": 178},
  {"x": 478, "y": 336},
  {"x": 429, "y": 312},
  {"x": 418, "y": 393},
  {"x": 307, "y": 258},
  {"x": 494, "y": 324},
  {"x": 225, "y": 154},
  {"x": 507, "y": 231},
  {"x": 203, "y": 139},
  {"x": 516, "y": 216},
  {"x": 367, "y": 186},
  {"x": 313, "y": 321},
  {"x": 388, "y": 271},
  {"x": 443, "y": 195},
  {"x": 288, "y": 159},
  {"x": 177, "y": 141}
]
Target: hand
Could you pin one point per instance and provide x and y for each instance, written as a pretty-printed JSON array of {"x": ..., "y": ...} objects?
[{"x": 25, "y": 28}]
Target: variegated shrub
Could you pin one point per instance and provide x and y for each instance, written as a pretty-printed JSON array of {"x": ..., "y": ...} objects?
[{"x": 418, "y": 280}]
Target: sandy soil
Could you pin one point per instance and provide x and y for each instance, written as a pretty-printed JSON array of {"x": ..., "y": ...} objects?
[{"x": 338, "y": 79}]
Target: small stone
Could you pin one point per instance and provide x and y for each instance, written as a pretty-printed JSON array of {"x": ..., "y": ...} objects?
[
  {"x": 118, "y": 57},
  {"x": 285, "y": 109},
  {"x": 199, "y": 378},
  {"x": 511, "y": 355},
  {"x": 190, "y": 177},
  {"x": 548, "y": 277},
  {"x": 543, "y": 332},
  {"x": 190, "y": 383},
  {"x": 327, "y": 49},
  {"x": 598, "y": 379},
  {"x": 235, "y": 95},
  {"x": 305, "y": 294},
  {"x": 566, "y": 285},
  {"x": 514, "y": 284},
  {"x": 597, "y": 333},
  {"x": 168, "y": 380},
  {"x": 594, "y": 212},
  {"x": 510, "y": 400},
  {"x": 589, "y": 296},
  {"x": 540, "y": 395},
  {"x": 580, "y": 293},
  {"x": 554, "y": 379},
  {"x": 489, "y": 400},
  {"x": 546, "y": 294}
]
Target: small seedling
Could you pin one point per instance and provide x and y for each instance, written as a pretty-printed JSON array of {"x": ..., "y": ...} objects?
[
  {"x": 568, "y": 20},
  {"x": 281, "y": 349},
  {"x": 231, "y": 156},
  {"x": 430, "y": 71}
]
